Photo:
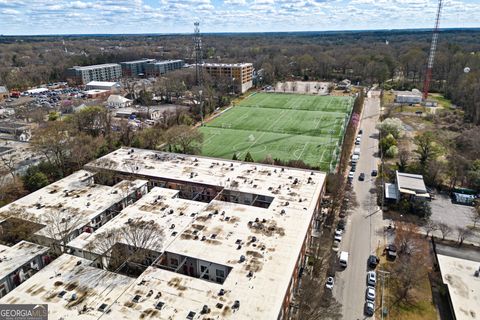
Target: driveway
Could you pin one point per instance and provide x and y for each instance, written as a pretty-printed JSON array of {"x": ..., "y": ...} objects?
[{"x": 364, "y": 233}]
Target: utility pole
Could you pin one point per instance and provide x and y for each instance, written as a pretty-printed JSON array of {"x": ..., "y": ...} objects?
[{"x": 383, "y": 276}]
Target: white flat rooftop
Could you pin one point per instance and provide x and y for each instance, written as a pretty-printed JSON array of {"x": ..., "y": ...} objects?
[
  {"x": 70, "y": 275},
  {"x": 11, "y": 258},
  {"x": 220, "y": 232},
  {"x": 102, "y": 83},
  {"x": 228, "y": 65},
  {"x": 75, "y": 198},
  {"x": 463, "y": 286},
  {"x": 97, "y": 66}
]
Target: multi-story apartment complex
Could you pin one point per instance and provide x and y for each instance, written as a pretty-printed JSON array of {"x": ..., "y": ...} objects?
[
  {"x": 100, "y": 72},
  {"x": 239, "y": 74},
  {"x": 155, "y": 69},
  {"x": 135, "y": 68},
  {"x": 234, "y": 238}
]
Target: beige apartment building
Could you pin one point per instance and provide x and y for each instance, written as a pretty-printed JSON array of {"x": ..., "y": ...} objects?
[{"x": 240, "y": 74}]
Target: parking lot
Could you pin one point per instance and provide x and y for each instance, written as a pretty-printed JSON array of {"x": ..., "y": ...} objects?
[{"x": 454, "y": 215}]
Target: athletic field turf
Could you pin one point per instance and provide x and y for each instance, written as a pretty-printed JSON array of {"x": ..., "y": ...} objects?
[{"x": 284, "y": 126}]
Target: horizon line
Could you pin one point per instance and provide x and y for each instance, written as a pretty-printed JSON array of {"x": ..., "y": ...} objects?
[{"x": 233, "y": 32}]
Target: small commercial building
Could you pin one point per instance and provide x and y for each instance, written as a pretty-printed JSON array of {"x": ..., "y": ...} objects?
[
  {"x": 103, "y": 85},
  {"x": 97, "y": 94},
  {"x": 237, "y": 75},
  {"x": 15, "y": 131},
  {"x": 117, "y": 101},
  {"x": 37, "y": 91},
  {"x": 461, "y": 278},
  {"x": 408, "y": 97},
  {"x": 345, "y": 84},
  {"x": 407, "y": 186}
]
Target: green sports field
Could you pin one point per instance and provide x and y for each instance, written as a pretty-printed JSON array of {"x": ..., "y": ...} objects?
[{"x": 284, "y": 126}]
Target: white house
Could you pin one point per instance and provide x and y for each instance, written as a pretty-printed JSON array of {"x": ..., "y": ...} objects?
[
  {"x": 116, "y": 101},
  {"x": 408, "y": 97}
]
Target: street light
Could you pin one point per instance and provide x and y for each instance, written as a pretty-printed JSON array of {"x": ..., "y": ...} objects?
[{"x": 233, "y": 86}]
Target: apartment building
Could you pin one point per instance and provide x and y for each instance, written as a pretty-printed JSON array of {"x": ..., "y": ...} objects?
[
  {"x": 135, "y": 68},
  {"x": 234, "y": 239},
  {"x": 100, "y": 72},
  {"x": 240, "y": 74},
  {"x": 157, "y": 68}
]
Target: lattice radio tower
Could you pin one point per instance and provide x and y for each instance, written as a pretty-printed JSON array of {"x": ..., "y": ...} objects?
[
  {"x": 431, "y": 56},
  {"x": 197, "y": 39}
]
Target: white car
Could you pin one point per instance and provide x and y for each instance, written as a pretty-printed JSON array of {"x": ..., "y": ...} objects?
[
  {"x": 370, "y": 294},
  {"x": 371, "y": 278},
  {"x": 336, "y": 246},
  {"x": 330, "y": 283},
  {"x": 338, "y": 232},
  {"x": 338, "y": 238},
  {"x": 351, "y": 174}
]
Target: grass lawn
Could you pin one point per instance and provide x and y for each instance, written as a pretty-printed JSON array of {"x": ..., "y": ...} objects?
[{"x": 284, "y": 126}]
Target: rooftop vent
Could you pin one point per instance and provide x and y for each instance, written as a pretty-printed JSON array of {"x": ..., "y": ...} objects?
[
  {"x": 205, "y": 309},
  {"x": 236, "y": 304},
  {"x": 239, "y": 241},
  {"x": 254, "y": 239},
  {"x": 219, "y": 305},
  {"x": 283, "y": 211},
  {"x": 103, "y": 307},
  {"x": 79, "y": 262},
  {"x": 239, "y": 247},
  {"x": 221, "y": 292},
  {"x": 190, "y": 315},
  {"x": 136, "y": 299},
  {"x": 174, "y": 233},
  {"x": 172, "y": 226},
  {"x": 250, "y": 274},
  {"x": 242, "y": 258},
  {"x": 149, "y": 293},
  {"x": 204, "y": 238},
  {"x": 73, "y": 297},
  {"x": 213, "y": 236},
  {"x": 61, "y": 293},
  {"x": 159, "y": 305},
  {"x": 171, "y": 211}
]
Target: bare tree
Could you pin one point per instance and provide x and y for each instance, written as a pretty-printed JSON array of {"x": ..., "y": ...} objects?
[
  {"x": 61, "y": 226},
  {"x": 445, "y": 229},
  {"x": 8, "y": 164},
  {"x": 133, "y": 242},
  {"x": 430, "y": 226},
  {"x": 475, "y": 216},
  {"x": 463, "y": 234}
]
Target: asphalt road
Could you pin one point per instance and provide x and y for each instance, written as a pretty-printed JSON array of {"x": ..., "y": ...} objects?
[{"x": 364, "y": 233}]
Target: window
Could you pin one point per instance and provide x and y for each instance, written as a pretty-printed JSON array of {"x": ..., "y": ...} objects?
[
  {"x": 220, "y": 273},
  {"x": 203, "y": 268},
  {"x": 174, "y": 262}
]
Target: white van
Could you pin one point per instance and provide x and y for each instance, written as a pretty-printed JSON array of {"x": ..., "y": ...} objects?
[
  {"x": 356, "y": 151},
  {"x": 343, "y": 259}
]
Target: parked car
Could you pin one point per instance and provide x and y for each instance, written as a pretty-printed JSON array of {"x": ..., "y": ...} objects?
[
  {"x": 338, "y": 238},
  {"x": 371, "y": 278},
  {"x": 354, "y": 167},
  {"x": 360, "y": 131},
  {"x": 370, "y": 294},
  {"x": 391, "y": 251},
  {"x": 374, "y": 173},
  {"x": 338, "y": 232},
  {"x": 361, "y": 177},
  {"x": 357, "y": 141},
  {"x": 369, "y": 308},
  {"x": 330, "y": 283},
  {"x": 341, "y": 225},
  {"x": 336, "y": 246},
  {"x": 351, "y": 174},
  {"x": 373, "y": 261}
]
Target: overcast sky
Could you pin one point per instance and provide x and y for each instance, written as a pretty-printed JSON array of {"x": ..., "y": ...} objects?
[{"x": 172, "y": 16}]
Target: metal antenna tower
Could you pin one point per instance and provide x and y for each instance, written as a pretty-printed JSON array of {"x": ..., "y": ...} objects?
[
  {"x": 433, "y": 49},
  {"x": 197, "y": 39}
]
